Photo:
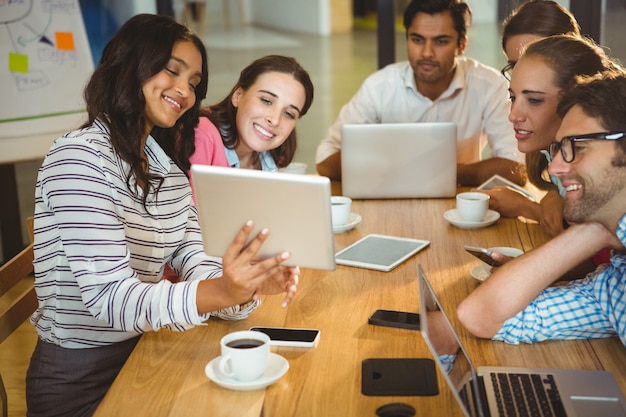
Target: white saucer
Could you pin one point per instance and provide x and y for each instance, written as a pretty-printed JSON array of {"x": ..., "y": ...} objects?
[
  {"x": 276, "y": 368},
  {"x": 353, "y": 220},
  {"x": 454, "y": 218},
  {"x": 480, "y": 272}
]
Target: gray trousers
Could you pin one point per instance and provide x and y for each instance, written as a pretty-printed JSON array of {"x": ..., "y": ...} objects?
[{"x": 72, "y": 382}]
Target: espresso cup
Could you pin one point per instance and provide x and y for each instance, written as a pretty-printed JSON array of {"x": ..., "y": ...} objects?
[
  {"x": 472, "y": 206},
  {"x": 245, "y": 355},
  {"x": 340, "y": 209}
]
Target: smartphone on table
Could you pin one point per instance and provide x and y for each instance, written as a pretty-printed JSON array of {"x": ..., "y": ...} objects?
[
  {"x": 290, "y": 337},
  {"x": 483, "y": 254},
  {"x": 392, "y": 318}
]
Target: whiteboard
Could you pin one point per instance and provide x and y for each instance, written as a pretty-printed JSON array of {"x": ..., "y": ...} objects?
[{"x": 45, "y": 62}]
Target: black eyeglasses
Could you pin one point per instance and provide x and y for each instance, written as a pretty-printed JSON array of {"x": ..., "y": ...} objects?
[
  {"x": 566, "y": 145},
  {"x": 506, "y": 71}
]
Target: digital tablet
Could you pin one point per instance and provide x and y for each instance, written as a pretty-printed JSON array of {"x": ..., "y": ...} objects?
[
  {"x": 380, "y": 252},
  {"x": 295, "y": 208},
  {"x": 499, "y": 181}
]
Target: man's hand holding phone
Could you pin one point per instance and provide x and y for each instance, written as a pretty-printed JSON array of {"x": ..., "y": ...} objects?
[{"x": 494, "y": 257}]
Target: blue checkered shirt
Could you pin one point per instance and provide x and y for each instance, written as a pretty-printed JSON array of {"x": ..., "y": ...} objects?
[{"x": 592, "y": 307}]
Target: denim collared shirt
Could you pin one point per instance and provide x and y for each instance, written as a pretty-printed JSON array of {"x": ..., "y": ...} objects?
[{"x": 267, "y": 162}]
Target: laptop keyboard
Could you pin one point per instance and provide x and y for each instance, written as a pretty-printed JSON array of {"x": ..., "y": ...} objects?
[{"x": 531, "y": 395}]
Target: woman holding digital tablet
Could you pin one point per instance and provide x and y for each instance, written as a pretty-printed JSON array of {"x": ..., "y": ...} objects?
[
  {"x": 254, "y": 125},
  {"x": 547, "y": 68},
  {"x": 533, "y": 21},
  {"x": 113, "y": 206}
]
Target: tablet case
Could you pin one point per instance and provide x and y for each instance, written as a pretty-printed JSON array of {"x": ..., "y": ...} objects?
[{"x": 399, "y": 377}]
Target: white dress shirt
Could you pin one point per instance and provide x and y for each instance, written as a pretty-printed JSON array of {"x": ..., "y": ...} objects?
[{"x": 476, "y": 100}]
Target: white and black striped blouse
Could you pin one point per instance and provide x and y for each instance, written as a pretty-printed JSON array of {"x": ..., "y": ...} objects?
[{"x": 99, "y": 255}]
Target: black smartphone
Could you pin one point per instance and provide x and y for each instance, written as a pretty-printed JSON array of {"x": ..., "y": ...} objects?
[
  {"x": 392, "y": 318},
  {"x": 483, "y": 254},
  {"x": 293, "y": 337}
]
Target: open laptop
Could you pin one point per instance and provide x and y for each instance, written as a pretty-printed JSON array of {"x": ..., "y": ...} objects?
[
  {"x": 295, "y": 208},
  {"x": 578, "y": 393},
  {"x": 398, "y": 160}
]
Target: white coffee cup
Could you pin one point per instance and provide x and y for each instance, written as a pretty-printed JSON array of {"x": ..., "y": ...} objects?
[
  {"x": 245, "y": 355},
  {"x": 472, "y": 206},
  {"x": 295, "y": 168},
  {"x": 340, "y": 209}
]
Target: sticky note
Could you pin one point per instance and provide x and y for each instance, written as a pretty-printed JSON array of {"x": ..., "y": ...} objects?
[
  {"x": 18, "y": 62},
  {"x": 65, "y": 41}
]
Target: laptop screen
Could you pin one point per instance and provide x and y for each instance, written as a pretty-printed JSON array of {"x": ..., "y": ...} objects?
[
  {"x": 398, "y": 160},
  {"x": 446, "y": 348}
]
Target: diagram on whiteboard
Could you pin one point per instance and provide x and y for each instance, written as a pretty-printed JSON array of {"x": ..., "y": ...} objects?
[{"x": 45, "y": 60}]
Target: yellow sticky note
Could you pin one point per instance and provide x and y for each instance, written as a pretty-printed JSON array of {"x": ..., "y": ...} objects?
[
  {"x": 65, "y": 41},
  {"x": 18, "y": 62}
]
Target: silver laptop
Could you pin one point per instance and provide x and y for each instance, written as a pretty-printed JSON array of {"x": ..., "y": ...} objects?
[
  {"x": 295, "y": 208},
  {"x": 558, "y": 392},
  {"x": 398, "y": 160}
]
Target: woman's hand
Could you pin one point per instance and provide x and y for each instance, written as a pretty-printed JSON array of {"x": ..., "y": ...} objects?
[
  {"x": 551, "y": 213},
  {"x": 284, "y": 280},
  {"x": 510, "y": 203},
  {"x": 246, "y": 277}
]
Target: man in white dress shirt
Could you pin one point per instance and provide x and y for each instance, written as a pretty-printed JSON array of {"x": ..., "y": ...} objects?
[{"x": 437, "y": 84}]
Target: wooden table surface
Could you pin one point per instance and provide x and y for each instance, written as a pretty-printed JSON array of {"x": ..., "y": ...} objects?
[{"x": 165, "y": 374}]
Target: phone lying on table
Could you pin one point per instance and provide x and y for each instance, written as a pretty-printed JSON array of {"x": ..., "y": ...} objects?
[
  {"x": 483, "y": 254},
  {"x": 291, "y": 337},
  {"x": 392, "y": 318}
]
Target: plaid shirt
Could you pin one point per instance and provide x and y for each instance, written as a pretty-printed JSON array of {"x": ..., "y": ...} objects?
[{"x": 592, "y": 307}]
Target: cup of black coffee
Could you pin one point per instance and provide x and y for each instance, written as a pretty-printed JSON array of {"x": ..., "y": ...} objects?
[{"x": 245, "y": 355}]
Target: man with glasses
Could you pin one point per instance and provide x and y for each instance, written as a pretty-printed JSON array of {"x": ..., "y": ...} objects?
[
  {"x": 437, "y": 84},
  {"x": 517, "y": 304}
]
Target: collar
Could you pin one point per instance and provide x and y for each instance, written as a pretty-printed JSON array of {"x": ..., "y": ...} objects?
[
  {"x": 621, "y": 229},
  {"x": 267, "y": 162},
  {"x": 158, "y": 161}
]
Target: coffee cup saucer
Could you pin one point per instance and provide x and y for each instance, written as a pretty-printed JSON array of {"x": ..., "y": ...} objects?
[
  {"x": 481, "y": 272},
  {"x": 353, "y": 220},
  {"x": 276, "y": 368},
  {"x": 454, "y": 218}
]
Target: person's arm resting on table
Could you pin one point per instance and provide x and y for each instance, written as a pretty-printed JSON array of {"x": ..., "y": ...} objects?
[
  {"x": 331, "y": 167},
  {"x": 514, "y": 285}
]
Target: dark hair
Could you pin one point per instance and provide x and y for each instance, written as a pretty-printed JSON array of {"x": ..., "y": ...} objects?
[
  {"x": 460, "y": 11},
  {"x": 568, "y": 57},
  {"x": 224, "y": 114},
  {"x": 602, "y": 97},
  {"x": 541, "y": 18},
  {"x": 140, "y": 49}
]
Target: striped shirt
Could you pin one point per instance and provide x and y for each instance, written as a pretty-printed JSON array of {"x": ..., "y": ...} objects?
[
  {"x": 593, "y": 307},
  {"x": 99, "y": 254}
]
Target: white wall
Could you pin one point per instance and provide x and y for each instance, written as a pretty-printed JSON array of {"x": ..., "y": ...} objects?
[
  {"x": 483, "y": 10},
  {"x": 306, "y": 16}
]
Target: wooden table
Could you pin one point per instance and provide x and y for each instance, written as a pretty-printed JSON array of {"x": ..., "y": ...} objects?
[{"x": 165, "y": 374}]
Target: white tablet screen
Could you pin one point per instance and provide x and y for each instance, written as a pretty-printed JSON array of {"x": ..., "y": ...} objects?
[{"x": 379, "y": 252}]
